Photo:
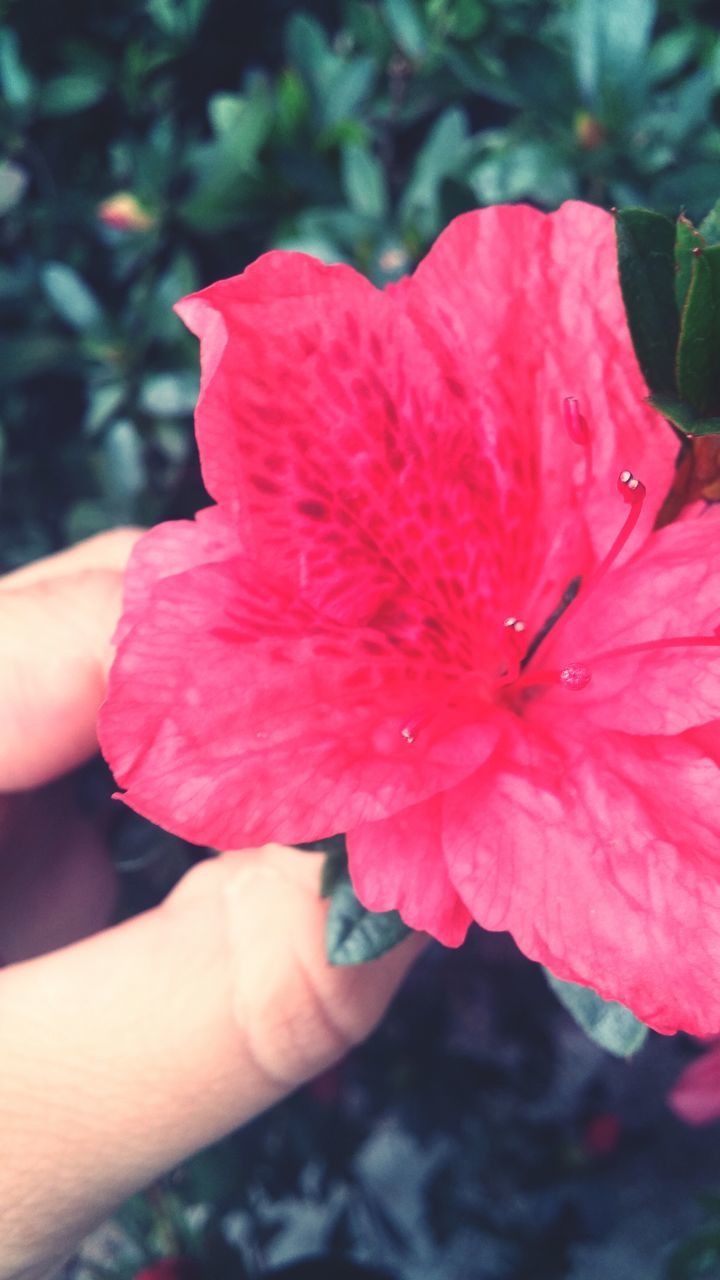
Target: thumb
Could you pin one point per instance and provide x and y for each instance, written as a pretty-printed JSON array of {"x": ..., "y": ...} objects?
[{"x": 159, "y": 1036}]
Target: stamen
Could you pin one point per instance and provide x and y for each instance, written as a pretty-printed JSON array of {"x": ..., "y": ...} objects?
[
  {"x": 575, "y": 424},
  {"x": 513, "y": 648},
  {"x": 633, "y": 491},
  {"x": 578, "y": 430}
]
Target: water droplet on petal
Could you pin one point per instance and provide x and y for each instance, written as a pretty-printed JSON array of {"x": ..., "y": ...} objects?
[{"x": 575, "y": 676}]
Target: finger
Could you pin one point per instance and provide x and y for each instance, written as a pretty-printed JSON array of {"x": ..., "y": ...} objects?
[
  {"x": 163, "y": 1034},
  {"x": 109, "y": 550},
  {"x": 55, "y": 629}
]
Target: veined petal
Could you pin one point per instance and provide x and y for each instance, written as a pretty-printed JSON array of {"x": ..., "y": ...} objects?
[
  {"x": 602, "y": 859},
  {"x": 175, "y": 547},
  {"x": 558, "y": 328},
  {"x": 237, "y": 714},
  {"x": 398, "y": 864},
  {"x": 668, "y": 591}
]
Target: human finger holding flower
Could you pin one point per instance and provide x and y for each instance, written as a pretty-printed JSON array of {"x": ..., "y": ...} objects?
[{"x": 126, "y": 1051}]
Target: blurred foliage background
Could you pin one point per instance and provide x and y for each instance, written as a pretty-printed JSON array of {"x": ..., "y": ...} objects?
[{"x": 148, "y": 147}]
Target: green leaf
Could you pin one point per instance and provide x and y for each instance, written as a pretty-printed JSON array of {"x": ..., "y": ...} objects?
[
  {"x": 70, "y": 296},
  {"x": 608, "y": 1024},
  {"x": 406, "y": 26},
  {"x": 354, "y": 935},
  {"x": 16, "y": 83},
  {"x": 710, "y": 226},
  {"x": 610, "y": 41},
  {"x": 684, "y": 417},
  {"x": 698, "y": 352},
  {"x": 646, "y": 262},
  {"x": 13, "y": 181},
  {"x": 363, "y": 180},
  {"x": 168, "y": 395},
  {"x": 442, "y": 154},
  {"x": 74, "y": 92},
  {"x": 687, "y": 238}
]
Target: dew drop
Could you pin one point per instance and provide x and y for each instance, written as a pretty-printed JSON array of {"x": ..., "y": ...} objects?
[{"x": 575, "y": 677}]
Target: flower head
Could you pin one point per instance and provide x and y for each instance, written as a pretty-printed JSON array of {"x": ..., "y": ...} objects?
[{"x": 429, "y": 609}]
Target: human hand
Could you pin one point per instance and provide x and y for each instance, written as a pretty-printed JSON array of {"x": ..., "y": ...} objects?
[{"x": 125, "y": 1051}]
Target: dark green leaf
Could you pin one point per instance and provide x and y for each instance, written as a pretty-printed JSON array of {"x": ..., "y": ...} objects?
[
  {"x": 75, "y": 92},
  {"x": 646, "y": 262},
  {"x": 354, "y": 935},
  {"x": 698, "y": 353},
  {"x": 687, "y": 238},
  {"x": 405, "y": 23},
  {"x": 608, "y": 1024},
  {"x": 684, "y": 417},
  {"x": 16, "y": 84},
  {"x": 70, "y": 296},
  {"x": 610, "y": 40},
  {"x": 364, "y": 182}
]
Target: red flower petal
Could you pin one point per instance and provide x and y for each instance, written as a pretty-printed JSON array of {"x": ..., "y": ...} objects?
[
  {"x": 601, "y": 858},
  {"x": 696, "y": 1095},
  {"x": 175, "y": 547},
  {"x": 669, "y": 590},
  {"x": 558, "y": 328},
  {"x": 398, "y": 864},
  {"x": 237, "y": 714}
]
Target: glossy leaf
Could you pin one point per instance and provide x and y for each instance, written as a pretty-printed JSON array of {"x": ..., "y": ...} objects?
[
  {"x": 646, "y": 262},
  {"x": 687, "y": 238},
  {"x": 608, "y": 1024},
  {"x": 698, "y": 353},
  {"x": 684, "y": 417},
  {"x": 354, "y": 935}
]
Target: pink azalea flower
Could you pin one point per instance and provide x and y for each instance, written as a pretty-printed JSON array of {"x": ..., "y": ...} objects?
[
  {"x": 351, "y": 639},
  {"x": 695, "y": 1097}
]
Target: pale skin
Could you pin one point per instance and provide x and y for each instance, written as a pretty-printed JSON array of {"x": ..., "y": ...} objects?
[{"x": 125, "y": 1049}]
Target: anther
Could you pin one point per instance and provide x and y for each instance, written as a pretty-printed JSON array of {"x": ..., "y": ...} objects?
[
  {"x": 630, "y": 488},
  {"x": 575, "y": 424},
  {"x": 513, "y": 648}
]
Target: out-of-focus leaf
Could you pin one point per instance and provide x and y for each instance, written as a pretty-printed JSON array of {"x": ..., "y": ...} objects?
[
  {"x": 610, "y": 41},
  {"x": 70, "y": 296},
  {"x": 16, "y": 83},
  {"x": 32, "y": 354},
  {"x": 610, "y": 1025},
  {"x": 646, "y": 262},
  {"x": 169, "y": 395},
  {"x": 178, "y": 19},
  {"x": 520, "y": 171},
  {"x": 406, "y": 25},
  {"x": 710, "y": 226},
  {"x": 307, "y": 48},
  {"x": 73, "y": 92},
  {"x": 104, "y": 401},
  {"x": 346, "y": 89},
  {"x": 13, "y": 181},
  {"x": 364, "y": 183},
  {"x": 442, "y": 154},
  {"x": 670, "y": 53},
  {"x": 123, "y": 465}
]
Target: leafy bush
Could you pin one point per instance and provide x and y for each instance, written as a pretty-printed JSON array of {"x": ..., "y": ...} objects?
[{"x": 354, "y": 132}]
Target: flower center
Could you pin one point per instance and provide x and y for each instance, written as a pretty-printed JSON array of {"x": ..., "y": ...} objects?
[{"x": 519, "y": 673}]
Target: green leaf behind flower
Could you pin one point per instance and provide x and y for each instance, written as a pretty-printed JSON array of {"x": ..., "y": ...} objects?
[
  {"x": 609, "y": 1025},
  {"x": 646, "y": 261},
  {"x": 354, "y": 935}
]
